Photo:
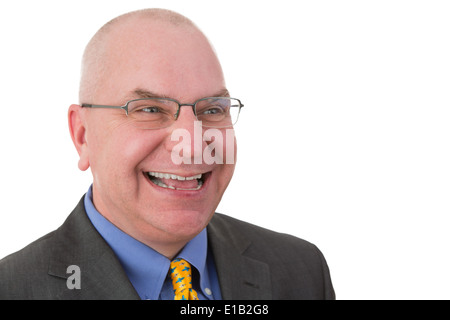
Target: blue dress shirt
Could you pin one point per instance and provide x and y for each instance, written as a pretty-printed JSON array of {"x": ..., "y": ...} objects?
[{"x": 148, "y": 270}]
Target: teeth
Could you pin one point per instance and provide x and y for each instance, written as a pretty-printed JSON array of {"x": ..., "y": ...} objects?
[
  {"x": 160, "y": 175},
  {"x": 173, "y": 176},
  {"x": 163, "y": 185},
  {"x": 199, "y": 176}
]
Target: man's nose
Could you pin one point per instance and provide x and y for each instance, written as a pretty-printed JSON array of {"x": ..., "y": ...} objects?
[{"x": 186, "y": 134}]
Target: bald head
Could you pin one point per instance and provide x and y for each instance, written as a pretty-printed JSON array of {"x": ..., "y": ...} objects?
[
  {"x": 144, "y": 30},
  {"x": 148, "y": 54}
]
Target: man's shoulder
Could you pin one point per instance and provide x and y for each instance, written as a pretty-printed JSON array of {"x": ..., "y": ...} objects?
[
  {"x": 24, "y": 269},
  {"x": 27, "y": 273},
  {"x": 293, "y": 262},
  {"x": 255, "y": 233},
  {"x": 261, "y": 241},
  {"x": 35, "y": 256},
  {"x": 35, "y": 251}
]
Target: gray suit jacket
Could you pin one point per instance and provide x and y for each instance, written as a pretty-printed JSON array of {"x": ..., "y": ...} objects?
[{"x": 251, "y": 262}]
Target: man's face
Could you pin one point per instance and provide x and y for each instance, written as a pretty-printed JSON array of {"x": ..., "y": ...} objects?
[{"x": 171, "y": 62}]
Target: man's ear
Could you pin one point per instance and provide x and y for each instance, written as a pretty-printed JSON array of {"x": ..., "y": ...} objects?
[{"x": 78, "y": 133}]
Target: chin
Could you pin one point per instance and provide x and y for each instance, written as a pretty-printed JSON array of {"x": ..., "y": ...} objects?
[{"x": 183, "y": 224}]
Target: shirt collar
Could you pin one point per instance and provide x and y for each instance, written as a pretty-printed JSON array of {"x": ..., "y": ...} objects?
[{"x": 146, "y": 268}]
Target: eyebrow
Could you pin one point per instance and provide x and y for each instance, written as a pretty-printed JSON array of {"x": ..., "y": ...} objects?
[
  {"x": 146, "y": 94},
  {"x": 141, "y": 93}
]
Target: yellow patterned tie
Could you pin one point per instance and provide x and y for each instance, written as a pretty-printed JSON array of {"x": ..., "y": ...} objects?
[{"x": 181, "y": 274}]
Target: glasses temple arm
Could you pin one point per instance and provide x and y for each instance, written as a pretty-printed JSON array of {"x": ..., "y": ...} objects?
[{"x": 85, "y": 105}]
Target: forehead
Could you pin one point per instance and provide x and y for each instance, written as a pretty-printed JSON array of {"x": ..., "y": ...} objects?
[
  {"x": 148, "y": 32},
  {"x": 174, "y": 60}
]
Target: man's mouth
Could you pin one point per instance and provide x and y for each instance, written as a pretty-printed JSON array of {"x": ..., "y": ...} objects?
[{"x": 176, "y": 182}]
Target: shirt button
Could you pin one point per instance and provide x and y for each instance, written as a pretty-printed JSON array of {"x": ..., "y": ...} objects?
[{"x": 208, "y": 291}]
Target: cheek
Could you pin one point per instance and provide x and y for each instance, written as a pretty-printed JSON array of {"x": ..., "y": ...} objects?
[
  {"x": 225, "y": 171},
  {"x": 221, "y": 146},
  {"x": 135, "y": 149},
  {"x": 231, "y": 146},
  {"x": 230, "y": 159},
  {"x": 118, "y": 154}
]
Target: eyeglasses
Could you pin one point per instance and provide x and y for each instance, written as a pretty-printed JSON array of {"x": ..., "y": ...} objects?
[{"x": 157, "y": 113}]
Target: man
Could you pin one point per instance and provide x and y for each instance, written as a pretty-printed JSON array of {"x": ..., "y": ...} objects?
[{"x": 146, "y": 228}]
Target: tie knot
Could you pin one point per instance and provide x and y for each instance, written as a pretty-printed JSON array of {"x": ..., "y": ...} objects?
[{"x": 181, "y": 275}]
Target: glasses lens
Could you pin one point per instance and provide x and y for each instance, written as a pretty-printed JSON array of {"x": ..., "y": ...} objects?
[
  {"x": 152, "y": 113},
  {"x": 218, "y": 112}
]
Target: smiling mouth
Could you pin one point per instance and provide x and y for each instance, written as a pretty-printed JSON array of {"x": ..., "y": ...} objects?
[{"x": 176, "y": 182}]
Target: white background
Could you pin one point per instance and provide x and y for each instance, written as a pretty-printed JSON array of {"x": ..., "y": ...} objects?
[{"x": 343, "y": 141}]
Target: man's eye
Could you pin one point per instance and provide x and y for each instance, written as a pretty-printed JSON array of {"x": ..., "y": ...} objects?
[
  {"x": 213, "y": 110},
  {"x": 150, "y": 110}
]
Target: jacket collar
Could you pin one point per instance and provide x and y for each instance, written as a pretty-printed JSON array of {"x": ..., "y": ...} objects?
[{"x": 241, "y": 277}]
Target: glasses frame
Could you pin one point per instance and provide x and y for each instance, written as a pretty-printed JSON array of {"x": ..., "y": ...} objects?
[{"x": 193, "y": 105}]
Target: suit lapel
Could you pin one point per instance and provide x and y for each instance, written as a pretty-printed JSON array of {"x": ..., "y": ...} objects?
[
  {"x": 240, "y": 277},
  {"x": 78, "y": 243}
]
